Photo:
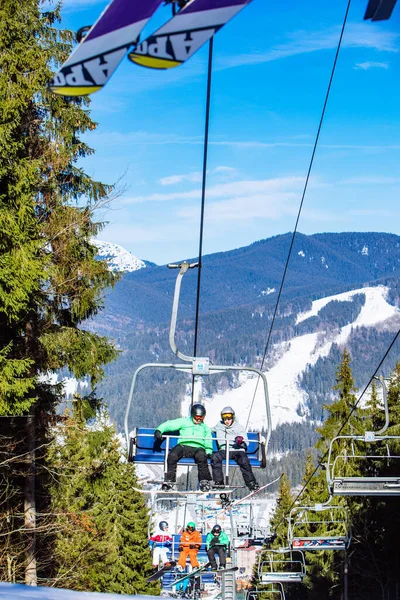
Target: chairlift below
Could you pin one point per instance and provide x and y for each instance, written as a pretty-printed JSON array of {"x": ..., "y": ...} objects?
[
  {"x": 284, "y": 565},
  {"x": 380, "y": 465},
  {"x": 306, "y": 521}
]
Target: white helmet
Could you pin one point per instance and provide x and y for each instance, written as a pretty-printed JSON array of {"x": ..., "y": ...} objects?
[{"x": 228, "y": 410}]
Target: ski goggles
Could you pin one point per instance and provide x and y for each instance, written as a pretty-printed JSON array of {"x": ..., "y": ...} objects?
[
  {"x": 227, "y": 416},
  {"x": 198, "y": 418}
]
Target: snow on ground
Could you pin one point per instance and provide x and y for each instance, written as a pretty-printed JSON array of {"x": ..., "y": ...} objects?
[
  {"x": 118, "y": 258},
  {"x": 18, "y": 591},
  {"x": 284, "y": 393}
]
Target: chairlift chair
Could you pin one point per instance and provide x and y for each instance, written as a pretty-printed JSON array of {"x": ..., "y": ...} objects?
[
  {"x": 340, "y": 484},
  {"x": 140, "y": 449},
  {"x": 282, "y": 566},
  {"x": 305, "y": 517}
]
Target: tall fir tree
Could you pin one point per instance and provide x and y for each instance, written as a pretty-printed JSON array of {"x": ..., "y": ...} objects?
[
  {"x": 325, "y": 569},
  {"x": 50, "y": 281},
  {"x": 101, "y": 539}
]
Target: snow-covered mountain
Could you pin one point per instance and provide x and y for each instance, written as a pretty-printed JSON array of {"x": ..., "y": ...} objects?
[
  {"x": 353, "y": 304},
  {"x": 118, "y": 258}
]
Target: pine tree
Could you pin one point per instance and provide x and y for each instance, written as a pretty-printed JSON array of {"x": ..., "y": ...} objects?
[
  {"x": 101, "y": 541},
  {"x": 279, "y": 520},
  {"x": 325, "y": 568},
  {"x": 50, "y": 281},
  {"x": 278, "y": 525}
]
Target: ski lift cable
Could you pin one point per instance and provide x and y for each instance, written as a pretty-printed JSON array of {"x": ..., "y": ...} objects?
[
  {"x": 321, "y": 461},
  {"x": 203, "y": 197},
  {"x": 305, "y": 188}
]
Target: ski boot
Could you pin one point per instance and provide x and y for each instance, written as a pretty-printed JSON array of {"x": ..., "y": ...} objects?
[
  {"x": 205, "y": 485},
  {"x": 167, "y": 486},
  {"x": 253, "y": 486}
]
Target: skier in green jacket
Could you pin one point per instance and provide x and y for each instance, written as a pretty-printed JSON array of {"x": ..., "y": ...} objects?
[
  {"x": 195, "y": 441},
  {"x": 217, "y": 542}
]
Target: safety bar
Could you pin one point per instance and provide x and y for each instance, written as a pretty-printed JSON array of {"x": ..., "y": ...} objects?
[{"x": 188, "y": 368}]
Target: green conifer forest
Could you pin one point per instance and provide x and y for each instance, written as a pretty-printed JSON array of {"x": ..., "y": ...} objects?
[
  {"x": 68, "y": 516},
  {"x": 369, "y": 568}
]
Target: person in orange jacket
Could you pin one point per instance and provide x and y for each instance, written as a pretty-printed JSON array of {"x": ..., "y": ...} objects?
[{"x": 189, "y": 545}]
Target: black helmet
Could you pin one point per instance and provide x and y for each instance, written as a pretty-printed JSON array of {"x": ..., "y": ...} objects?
[
  {"x": 216, "y": 529},
  {"x": 197, "y": 410},
  {"x": 163, "y": 525},
  {"x": 227, "y": 411}
]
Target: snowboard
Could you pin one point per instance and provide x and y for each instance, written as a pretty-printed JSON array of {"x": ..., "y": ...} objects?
[
  {"x": 178, "y": 39},
  {"x": 203, "y": 570},
  {"x": 93, "y": 62},
  {"x": 167, "y": 567}
]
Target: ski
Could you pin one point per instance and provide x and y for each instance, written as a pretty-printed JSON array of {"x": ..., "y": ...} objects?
[
  {"x": 203, "y": 571},
  {"x": 253, "y": 493},
  {"x": 212, "y": 492},
  {"x": 178, "y": 39},
  {"x": 167, "y": 567},
  {"x": 93, "y": 62},
  {"x": 183, "y": 492}
]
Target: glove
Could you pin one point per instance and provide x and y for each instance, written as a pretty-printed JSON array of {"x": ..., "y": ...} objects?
[
  {"x": 180, "y": 548},
  {"x": 239, "y": 442},
  {"x": 157, "y": 434}
]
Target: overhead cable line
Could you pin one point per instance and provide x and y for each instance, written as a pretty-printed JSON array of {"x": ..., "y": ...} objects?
[
  {"x": 302, "y": 201},
  {"x": 203, "y": 198},
  {"x": 321, "y": 461}
]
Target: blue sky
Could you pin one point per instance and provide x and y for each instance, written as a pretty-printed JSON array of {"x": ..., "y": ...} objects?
[{"x": 272, "y": 65}]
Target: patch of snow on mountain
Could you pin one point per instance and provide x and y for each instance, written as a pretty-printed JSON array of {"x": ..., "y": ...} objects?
[
  {"x": 365, "y": 251},
  {"x": 267, "y": 292},
  {"x": 118, "y": 258},
  {"x": 301, "y": 253},
  {"x": 285, "y": 395},
  {"x": 375, "y": 294}
]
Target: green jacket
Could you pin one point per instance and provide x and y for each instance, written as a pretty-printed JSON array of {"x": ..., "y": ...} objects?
[
  {"x": 222, "y": 540},
  {"x": 190, "y": 434}
]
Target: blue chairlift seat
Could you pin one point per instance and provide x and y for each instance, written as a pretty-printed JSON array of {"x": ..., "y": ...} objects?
[{"x": 141, "y": 444}]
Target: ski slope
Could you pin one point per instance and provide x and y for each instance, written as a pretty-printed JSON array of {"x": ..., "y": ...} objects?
[{"x": 285, "y": 394}]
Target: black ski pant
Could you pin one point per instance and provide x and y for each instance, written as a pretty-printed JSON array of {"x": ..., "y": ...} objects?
[
  {"x": 181, "y": 451},
  {"x": 242, "y": 460},
  {"x": 212, "y": 551}
]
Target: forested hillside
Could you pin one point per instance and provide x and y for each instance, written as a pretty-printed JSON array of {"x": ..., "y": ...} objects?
[{"x": 238, "y": 296}]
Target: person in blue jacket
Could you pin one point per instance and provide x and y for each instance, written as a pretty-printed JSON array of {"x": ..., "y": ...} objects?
[{"x": 195, "y": 441}]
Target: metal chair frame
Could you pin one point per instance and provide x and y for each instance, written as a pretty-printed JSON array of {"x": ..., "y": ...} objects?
[
  {"x": 194, "y": 365},
  {"x": 379, "y": 485},
  {"x": 273, "y": 570},
  {"x": 332, "y": 541}
]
